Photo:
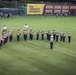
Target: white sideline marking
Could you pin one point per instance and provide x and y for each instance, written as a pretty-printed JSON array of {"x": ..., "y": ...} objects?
[{"x": 54, "y": 50}]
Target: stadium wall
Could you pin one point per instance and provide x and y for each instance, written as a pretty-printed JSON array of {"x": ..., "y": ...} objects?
[{"x": 39, "y": 9}]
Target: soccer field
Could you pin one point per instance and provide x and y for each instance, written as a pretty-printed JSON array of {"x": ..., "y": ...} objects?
[{"x": 35, "y": 57}]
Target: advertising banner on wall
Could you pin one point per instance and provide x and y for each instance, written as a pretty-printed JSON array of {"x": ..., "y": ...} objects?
[
  {"x": 51, "y": 9},
  {"x": 56, "y": 9},
  {"x": 35, "y": 8}
]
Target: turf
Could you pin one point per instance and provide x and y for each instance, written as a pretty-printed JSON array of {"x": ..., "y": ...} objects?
[{"x": 35, "y": 57}]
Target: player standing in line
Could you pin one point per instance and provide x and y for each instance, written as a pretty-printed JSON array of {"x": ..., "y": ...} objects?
[
  {"x": 31, "y": 34},
  {"x": 18, "y": 34},
  {"x": 42, "y": 34},
  {"x": 57, "y": 34},
  {"x": 5, "y": 37},
  {"x": 54, "y": 34},
  {"x": 10, "y": 35},
  {"x": 64, "y": 37},
  {"x": 4, "y": 29},
  {"x": 69, "y": 37},
  {"x": 37, "y": 34},
  {"x": 49, "y": 34},
  {"x": 25, "y": 34},
  {"x": 61, "y": 35}
]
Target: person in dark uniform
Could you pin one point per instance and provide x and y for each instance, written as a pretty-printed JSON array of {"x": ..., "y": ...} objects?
[
  {"x": 18, "y": 34},
  {"x": 10, "y": 35},
  {"x": 51, "y": 42},
  {"x": 69, "y": 37},
  {"x": 5, "y": 38},
  {"x": 37, "y": 34},
  {"x": 57, "y": 34},
  {"x": 42, "y": 34},
  {"x": 49, "y": 34},
  {"x": 54, "y": 34},
  {"x": 1, "y": 40},
  {"x": 64, "y": 37},
  {"x": 25, "y": 34},
  {"x": 31, "y": 34},
  {"x": 61, "y": 35}
]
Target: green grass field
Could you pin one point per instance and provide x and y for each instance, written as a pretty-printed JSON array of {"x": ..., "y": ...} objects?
[{"x": 35, "y": 57}]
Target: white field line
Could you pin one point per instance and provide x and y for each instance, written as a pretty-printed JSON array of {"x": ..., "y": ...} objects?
[{"x": 54, "y": 49}]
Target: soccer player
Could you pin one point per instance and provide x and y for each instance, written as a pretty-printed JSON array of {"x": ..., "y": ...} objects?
[
  {"x": 51, "y": 42},
  {"x": 69, "y": 37}
]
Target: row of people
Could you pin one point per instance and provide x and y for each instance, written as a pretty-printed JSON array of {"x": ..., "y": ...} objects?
[
  {"x": 54, "y": 34},
  {"x": 62, "y": 37},
  {"x": 48, "y": 34},
  {"x": 4, "y": 37}
]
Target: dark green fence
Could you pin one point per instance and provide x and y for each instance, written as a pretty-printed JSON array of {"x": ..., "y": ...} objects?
[{"x": 20, "y": 10}]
